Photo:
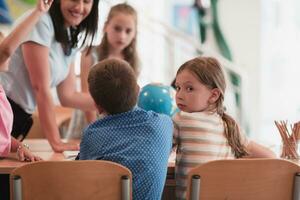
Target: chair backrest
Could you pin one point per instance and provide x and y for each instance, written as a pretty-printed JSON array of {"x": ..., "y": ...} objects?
[
  {"x": 89, "y": 179},
  {"x": 247, "y": 179}
]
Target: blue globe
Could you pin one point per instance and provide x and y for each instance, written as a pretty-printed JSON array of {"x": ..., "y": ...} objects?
[{"x": 158, "y": 98}]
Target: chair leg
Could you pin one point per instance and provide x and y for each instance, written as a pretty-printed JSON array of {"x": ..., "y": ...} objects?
[
  {"x": 195, "y": 194},
  {"x": 296, "y": 195},
  {"x": 17, "y": 188},
  {"x": 125, "y": 188}
]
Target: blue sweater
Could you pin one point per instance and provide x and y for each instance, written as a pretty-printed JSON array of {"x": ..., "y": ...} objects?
[{"x": 140, "y": 140}]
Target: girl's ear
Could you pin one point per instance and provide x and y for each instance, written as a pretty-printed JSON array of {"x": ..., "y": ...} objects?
[{"x": 215, "y": 94}]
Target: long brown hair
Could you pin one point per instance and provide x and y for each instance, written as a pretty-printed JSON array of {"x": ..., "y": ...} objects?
[
  {"x": 130, "y": 52},
  {"x": 209, "y": 72},
  {"x": 88, "y": 27}
]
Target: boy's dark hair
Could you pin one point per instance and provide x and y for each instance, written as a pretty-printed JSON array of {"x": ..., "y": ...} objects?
[{"x": 113, "y": 86}]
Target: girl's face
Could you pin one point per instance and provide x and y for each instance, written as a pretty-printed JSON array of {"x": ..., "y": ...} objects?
[
  {"x": 191, "y": 94},
  {"x": 120, "y": 30},
  {"x": 75, "y": 11}
]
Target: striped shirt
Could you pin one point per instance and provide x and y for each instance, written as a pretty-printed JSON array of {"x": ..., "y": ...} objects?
[{"x": 199, "y": 138}]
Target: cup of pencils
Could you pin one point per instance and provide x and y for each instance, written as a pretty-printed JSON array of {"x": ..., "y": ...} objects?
[{"x": 290, "y": 139}]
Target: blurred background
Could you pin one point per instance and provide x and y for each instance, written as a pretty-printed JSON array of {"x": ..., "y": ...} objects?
[{"x": 257, "y": 41}]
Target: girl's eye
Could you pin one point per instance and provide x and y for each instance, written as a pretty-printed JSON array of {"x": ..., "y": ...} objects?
[
  {"x": 128, "y": 31},
  {"x": 189, "y": 89},
  {"x": 177, "y": 88},
  {"x": 118, "y": 29}
]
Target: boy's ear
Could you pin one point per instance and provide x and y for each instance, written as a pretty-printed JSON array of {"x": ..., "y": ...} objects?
[
  {"x": 99, "y": 108},
  {"x": 215, "y": 94}
]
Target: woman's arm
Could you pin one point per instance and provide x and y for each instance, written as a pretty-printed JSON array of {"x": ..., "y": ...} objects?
[
  {"x": 85, "y": 66},
  {"x": 256, "y": 150},
  {"x": 69, "y": 97},
  {"x": 13, "y": 40},
  {"x": 36, "y": 60}
]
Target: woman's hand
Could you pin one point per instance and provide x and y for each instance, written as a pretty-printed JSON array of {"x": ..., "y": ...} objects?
[
  {"x": 65, "y": 147},
  {"x": 44, "y": 5},
  {"x": 24, "y": 154}
]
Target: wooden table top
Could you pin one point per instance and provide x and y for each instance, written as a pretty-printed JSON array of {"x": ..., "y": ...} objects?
[
  {"x": 39, "y": 147},
  {"x": 42, "y": 148}
]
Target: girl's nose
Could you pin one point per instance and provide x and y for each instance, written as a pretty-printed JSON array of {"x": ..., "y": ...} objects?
[
  {"x": 122, "y": 35},
  {"x": 79, "y": 6},
  {"x": 178, "y": 94}
]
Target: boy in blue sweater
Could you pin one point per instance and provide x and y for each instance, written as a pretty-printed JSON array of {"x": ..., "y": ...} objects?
[{"x": 138, "y": 139}]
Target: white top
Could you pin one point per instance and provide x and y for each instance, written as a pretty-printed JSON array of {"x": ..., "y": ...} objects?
[{"x": 16, "y": 81}]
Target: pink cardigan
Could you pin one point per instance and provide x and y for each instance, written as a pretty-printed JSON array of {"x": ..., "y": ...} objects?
[{"x": 6, "y": 121}]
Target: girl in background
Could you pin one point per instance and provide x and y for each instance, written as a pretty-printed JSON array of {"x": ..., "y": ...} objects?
[
  {"x": 45, "y": 61},
  {"x": 7, "y": 46},
  {"x": 203, "y": 130},
  {"x": 119, "y": 41}
]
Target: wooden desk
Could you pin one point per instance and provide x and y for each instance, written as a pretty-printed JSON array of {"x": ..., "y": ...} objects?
[
  {"x": 42, "y": 148},
  {"x": 169, "y": 189},
  {"x": 39, "y": 147}
]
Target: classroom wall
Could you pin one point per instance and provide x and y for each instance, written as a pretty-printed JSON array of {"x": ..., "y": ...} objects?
[
  {"x": 240, "y": 21},
  {"x": 241, "y": 24}
]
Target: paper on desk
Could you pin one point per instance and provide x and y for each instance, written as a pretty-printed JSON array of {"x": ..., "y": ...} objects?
[
  {"x": 70, "y": 155},
  {"x": 172, "y": 157}
]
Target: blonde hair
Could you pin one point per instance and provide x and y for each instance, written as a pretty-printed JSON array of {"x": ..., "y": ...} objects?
[
  {"x": 130, "y": 52},
  {"x": 209, "y": 72}
]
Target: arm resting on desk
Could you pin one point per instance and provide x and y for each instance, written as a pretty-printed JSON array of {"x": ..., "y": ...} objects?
[{"x": 256, "y": 150}]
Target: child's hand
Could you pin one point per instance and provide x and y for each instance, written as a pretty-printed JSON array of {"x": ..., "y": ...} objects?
[
  {"x": 24, "y": 154},
  {"x": 44, "y": 5}
]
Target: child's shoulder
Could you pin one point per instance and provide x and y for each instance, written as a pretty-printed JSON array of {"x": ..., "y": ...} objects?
[
  {"x": 94, "y": 126},
  {"x": 197, "y": 116},
  {"x": 153, "y": 116}
]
